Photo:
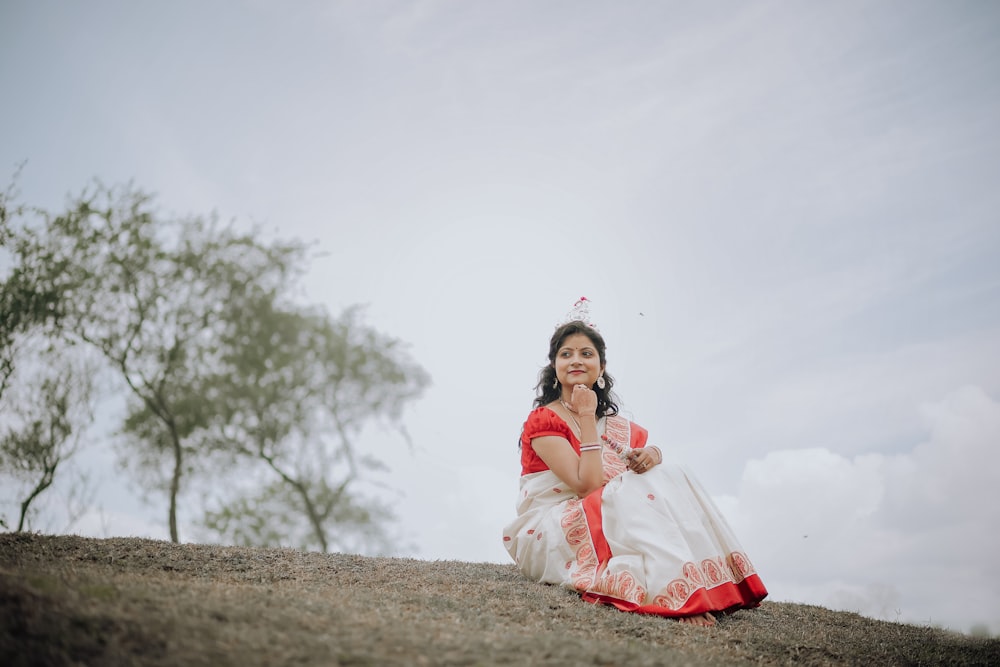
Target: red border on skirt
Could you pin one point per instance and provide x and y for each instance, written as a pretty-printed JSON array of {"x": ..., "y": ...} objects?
[
  {"x": 724, "y": 597},
  {"x": 595, "y": 522}
]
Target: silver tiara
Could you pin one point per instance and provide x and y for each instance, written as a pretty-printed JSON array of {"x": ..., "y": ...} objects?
[{"x": 580, "y": 312}]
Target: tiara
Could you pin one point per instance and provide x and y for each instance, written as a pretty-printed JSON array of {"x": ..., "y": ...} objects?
[{"x": 580, "y": 312}]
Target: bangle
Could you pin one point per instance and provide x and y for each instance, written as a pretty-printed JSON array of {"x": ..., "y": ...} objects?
[
  {"x": 590, "y": 446},
  {"x": 659, "y": 454}
]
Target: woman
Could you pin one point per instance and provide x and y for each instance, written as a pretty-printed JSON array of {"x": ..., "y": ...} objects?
[{"x": 599, "y": 510}]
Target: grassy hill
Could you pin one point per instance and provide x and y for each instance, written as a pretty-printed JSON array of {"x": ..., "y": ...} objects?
[{"x": 127, "y": 601}]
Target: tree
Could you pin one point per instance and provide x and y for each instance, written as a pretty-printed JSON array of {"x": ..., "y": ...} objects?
[
  {"x": 8, "y": 323},
  {"x": 221, "y": 366},
  {"x": 307, "y": 385},
  {"x": 43, "y": 418},
  {"x": 24, "y": 307},
  {"x": 147, "y": 293}
]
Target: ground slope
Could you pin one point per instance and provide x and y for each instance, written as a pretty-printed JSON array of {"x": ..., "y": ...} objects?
[{"x": 128, "y": 601}]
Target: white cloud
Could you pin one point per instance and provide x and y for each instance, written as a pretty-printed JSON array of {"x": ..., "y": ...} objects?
[{"x": 906, "y": 537}]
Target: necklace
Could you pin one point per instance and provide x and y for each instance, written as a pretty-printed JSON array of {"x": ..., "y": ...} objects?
[{"x": 572, "y": 415}]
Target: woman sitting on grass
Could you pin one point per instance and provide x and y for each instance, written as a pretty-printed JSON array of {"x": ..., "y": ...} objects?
[{"x": 601, "y": 513}]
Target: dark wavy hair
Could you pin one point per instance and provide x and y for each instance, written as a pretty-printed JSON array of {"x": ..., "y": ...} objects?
[{"x": 607, "y": 402}]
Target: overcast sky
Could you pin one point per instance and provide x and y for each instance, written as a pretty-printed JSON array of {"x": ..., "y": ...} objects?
[{"x": 786, "y": 214}]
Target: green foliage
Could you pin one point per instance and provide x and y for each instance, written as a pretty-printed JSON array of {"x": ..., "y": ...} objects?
[
  {"x": 263, "y": 518},
  {"x": 43, "y": 417},
  {"x": 294, "y": 390},
  {"x": 149, "y": 293},
  {"x": 50, "y": 400},
  {"x": 23, "y": 306},
  {"x": 273, "y": 516},
  {"x": 223, "y": 371}
]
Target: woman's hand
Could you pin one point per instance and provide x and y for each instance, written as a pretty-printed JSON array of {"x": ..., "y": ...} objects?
[
  {"x": 640, "y": 460},
  {"x": 583, "y": 400}
]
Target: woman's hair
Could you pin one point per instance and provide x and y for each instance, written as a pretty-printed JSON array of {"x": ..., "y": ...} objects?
[{"x": 607, "y": 402}]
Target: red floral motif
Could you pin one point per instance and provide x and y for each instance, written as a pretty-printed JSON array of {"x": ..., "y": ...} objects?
[
  {"x": 622, "y": 586},
  {"x": 725, "y": 569},
  {"x": 557, "y": 490},
  {"x": 693, "y": 574},
  {"x": 577, "y": 534},
  {"x": 741, "y": 565},
  {"x": 664, "y": 601},
  {"x": 616, "y": 430},
  {"x": 616, "y": 434},
  {"x": 651, "y": 496},
  {"x": 629, "y": 589},
  {"x": 538, "y": 536},
  {"x": 679, "y": 589},
  {"x": 712, "y": 572},
  {"x": 674, "y": 594},
  {"x": 613, "y": 465},
  {"x": 572, "y": 514},
  {"x": 531, "y": 531},
  {"x": 506, "y": 538}
]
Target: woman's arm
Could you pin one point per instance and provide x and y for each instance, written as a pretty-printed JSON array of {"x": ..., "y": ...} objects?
[{"x": 583, "y": 473}]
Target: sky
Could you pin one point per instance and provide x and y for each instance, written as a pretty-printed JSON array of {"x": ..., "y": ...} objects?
[{"x": 785, "y": 215}]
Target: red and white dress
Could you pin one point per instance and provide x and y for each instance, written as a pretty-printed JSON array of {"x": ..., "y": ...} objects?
[{"x": 653, "y": 543}]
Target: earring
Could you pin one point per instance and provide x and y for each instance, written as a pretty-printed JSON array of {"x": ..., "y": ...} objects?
[
  {"x": 555, "y": 383},
  {"x": 601, "y": 383}
]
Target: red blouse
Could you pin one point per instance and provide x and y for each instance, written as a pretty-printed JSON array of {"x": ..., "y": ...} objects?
[{"x": 542, "y": 422}]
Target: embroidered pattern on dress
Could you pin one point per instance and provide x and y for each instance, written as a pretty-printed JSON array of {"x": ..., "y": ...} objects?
[
  {"x": 577, "y": 532},
  {"x": 585, "y": 578},
  {"x": 621, "y": 585},
  {"x": 710, "y": 573},
  {"x": 617, "y": 435}
]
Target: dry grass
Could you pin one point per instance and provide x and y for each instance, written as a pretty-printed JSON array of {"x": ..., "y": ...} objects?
[{"x": 73, "y": 600}]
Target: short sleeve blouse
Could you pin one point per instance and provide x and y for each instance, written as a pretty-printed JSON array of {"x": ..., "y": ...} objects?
[{"x": 542, "y": 422}]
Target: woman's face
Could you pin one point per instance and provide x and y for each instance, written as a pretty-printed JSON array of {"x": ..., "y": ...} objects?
[{"x": 577, "y": 362}]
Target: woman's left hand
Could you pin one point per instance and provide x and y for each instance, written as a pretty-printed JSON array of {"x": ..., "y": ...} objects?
[{"x": 640, "y": 461}]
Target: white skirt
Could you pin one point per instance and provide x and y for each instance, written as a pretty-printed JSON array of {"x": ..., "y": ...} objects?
[{"x": 650, "y": 543}]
